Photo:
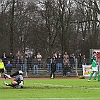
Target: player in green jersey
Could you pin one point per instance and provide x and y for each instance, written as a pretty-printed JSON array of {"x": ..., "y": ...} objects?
[{"x": 94, "y": 68}]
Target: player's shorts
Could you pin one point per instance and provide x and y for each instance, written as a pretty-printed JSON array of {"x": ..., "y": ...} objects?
[
  {"x": 2, "y": 70},
  {"x": 95, "y": 69}
]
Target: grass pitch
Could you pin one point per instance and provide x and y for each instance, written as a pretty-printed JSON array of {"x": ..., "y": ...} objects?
[{"x": 52, "y": 89}]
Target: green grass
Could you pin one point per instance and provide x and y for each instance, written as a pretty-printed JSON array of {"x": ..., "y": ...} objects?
[{"x": 55, "y": 89}]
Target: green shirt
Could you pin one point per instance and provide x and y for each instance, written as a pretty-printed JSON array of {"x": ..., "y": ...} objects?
[{"x": 93, "y": 61}]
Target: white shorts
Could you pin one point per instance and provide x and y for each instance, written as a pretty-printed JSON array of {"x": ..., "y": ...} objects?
[{"x": 95, "y": 69}]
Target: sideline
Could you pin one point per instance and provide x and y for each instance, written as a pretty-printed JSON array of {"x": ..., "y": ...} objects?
[{"x": 91, "y": 98}]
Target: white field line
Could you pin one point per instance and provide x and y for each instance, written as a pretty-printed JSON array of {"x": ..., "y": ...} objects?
[
  {"x": 91, "y": 98},
  {"x": 53, "y": 85}
]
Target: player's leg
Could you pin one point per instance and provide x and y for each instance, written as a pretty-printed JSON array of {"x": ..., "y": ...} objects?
[
  {"x": 95, "y": 75},
  {"x": 14, "y": 74},
  {"x": 1, "y": 72},
  {"x": 91, "y": 74},
  {"x": 7, "y": 84},
  {"x": 52, "y": 74},
  {"x": 95, "y": 72},
  {"x": 9, "y": 76},
  {"x": 13, "y": 83}
]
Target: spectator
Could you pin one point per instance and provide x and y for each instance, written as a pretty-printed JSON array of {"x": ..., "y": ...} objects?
[
  {"x": 10, "y": 57},
  {"x": 68, "y": 70},
  {"x": 2, "y": 67},
  {"x": 29, "y": 61},
  {"x": 18, "y": 63},
  {"x": 35, "y": 65},
  {"x": 54, "y": 56},
  {"x": 18, "y": 53},
  {"x": 72, "y": 60},
  {"x": 48, "y": 60},
  {"x": 84, "y": 60},
  {"x": 66, "y": 63},
  {"x": 22, "y": 63},
  {"x": 80, "y": 60},
  {"x": 59, "y": 63},
  {"x": 39, "y": 57},
  {"x": 53, "y": 69},
  {"x": 64, "y": 71},
  {"x": 65, "y": 58},
  {"x": 25, "y": 65},
  {"x": 8, "y": 67},
  {"x": 4, "y": 58}
]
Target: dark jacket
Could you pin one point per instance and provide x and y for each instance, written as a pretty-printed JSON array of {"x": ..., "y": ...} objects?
[
  {"x": 68, "y": 69},
  {"x": 53, "y": 67},
  {"x": 34, "y": 61},
  {"x": 48, "y": 60},
  {"x": 18, "y": 61}
]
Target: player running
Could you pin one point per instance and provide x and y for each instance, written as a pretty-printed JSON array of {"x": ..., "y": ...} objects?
[
  {"x": 94, "y": 67},
  {"x": 18, "y": 81}
]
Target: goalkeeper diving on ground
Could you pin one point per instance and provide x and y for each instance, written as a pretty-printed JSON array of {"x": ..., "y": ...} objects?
[{"x": 18, "y": 82}]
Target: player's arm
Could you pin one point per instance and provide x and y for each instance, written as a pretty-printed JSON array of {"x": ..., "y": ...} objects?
[{"x": 21, "y": 83}]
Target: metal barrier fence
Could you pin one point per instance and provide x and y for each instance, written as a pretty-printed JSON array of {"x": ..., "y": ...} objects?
[{"x": 35, "y": 68}]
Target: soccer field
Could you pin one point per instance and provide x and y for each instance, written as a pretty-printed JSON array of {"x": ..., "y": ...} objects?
[{"x": 52, "y": 89}]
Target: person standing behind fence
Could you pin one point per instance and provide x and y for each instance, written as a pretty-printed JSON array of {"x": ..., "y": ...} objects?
[
  {"x": 10, "y": 57},
  {"x": 18, "y": 63},
  {"x": 72, "y": 61},
  {"x": 94, "y": 67},
  {"x": 39, "y": 57},
  {"x": 18, "y": 53},
  {"x": 48, "y": 61},
  {"x": 65, "y": 68},
  {"x": 66, "y": 58},
  {"x": 68, "y": 70},
  {"x": 84, "y": 60},
  {"x": 22, "y": 63},
  {"x": 4, "y": 58},
  {"x": 80, "y": 60},
  {"x": 64, "y": 71},
  {"x": 59, "y": 62},
  {"x": 8, "y": 67},
  {"x": 29, "y": 61},
  {"x": 25, "y": 65},
  {"x": 35, "y": 65}
]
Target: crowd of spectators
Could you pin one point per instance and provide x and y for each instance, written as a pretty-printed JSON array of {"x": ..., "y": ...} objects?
[
  {"x": 25, "y": 62},
  {"x": 65, "y": 63}
]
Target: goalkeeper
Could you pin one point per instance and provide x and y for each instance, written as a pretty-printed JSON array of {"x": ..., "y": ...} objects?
[
  {"x": 18, "y": 81},
  {"x": 94, "y": 67}
]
